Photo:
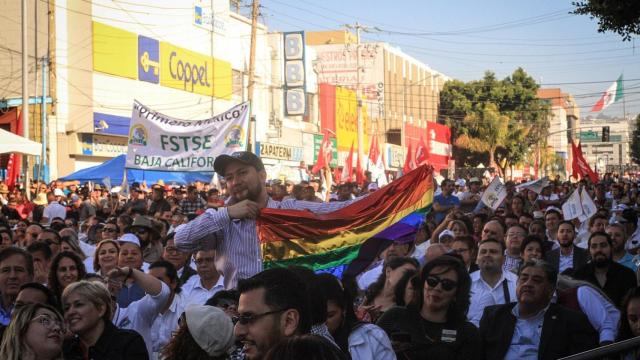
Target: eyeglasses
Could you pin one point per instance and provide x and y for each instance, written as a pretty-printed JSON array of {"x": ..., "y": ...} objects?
[
  {"x": 171, "y": 250},
  {"x": 447, "y": 285},
  {"x": 140, "y": 230},
  {"x": 49, "y": 323},
  {"x": 108, "y": 230},
  {"x": 250, "y": 318}
]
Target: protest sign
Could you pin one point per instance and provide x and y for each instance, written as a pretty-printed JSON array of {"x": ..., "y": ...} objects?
[
  {"x": 495, "y": 193},
  {"x": 160, "y": 142}
]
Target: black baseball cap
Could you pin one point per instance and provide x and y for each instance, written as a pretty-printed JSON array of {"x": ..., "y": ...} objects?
[{"x": 244, "y": 157}]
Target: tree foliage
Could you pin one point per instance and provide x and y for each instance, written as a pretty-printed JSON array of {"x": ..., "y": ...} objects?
[
  {"x": 635, "y": 142},
  {"x": 493, "y": 120},
  {"x": 619, "y": 16}
]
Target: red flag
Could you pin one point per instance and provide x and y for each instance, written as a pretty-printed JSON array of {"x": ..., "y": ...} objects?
[
  {"x": 359, "y": 171},
  {"x": 325, "y": 154},
  {"x": 347, "y": 170},
  {"x": 408, "y": 161},
  {"x": 15, "y": 161},
  {"x": 422, "y": 152},
  {"x": 580, "y": 165},
  {"x": 337, "y": 175},
  {"x": 374, "y": 152}
]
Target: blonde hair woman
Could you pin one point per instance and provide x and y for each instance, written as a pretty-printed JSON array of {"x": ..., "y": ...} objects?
[
  {"x": 88, "y": 311},
  {"x": 35, "y": 333}
]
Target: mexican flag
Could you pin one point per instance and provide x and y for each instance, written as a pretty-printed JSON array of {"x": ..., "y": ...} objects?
[{"x": 613, "y": 94}]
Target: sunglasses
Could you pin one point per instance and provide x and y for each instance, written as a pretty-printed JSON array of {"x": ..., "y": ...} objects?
[
  {"x": 245, "y": 319},
  {"x": 140, "y": 230},
  {"x": 447, "y": 285}
]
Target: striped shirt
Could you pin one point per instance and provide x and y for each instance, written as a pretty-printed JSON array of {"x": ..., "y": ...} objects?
[{"x": 236, "y": 241}]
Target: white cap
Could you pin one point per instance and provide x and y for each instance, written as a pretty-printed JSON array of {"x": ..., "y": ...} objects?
[
  {"x": 446, "y": 233},
  {"x": 372, "y": 186},
  {"x": 129, "y": 238},
  {"x": 58, "y": 192},
  {"x": 461, "y": 182},
  {"x": 211, "y": 329}
]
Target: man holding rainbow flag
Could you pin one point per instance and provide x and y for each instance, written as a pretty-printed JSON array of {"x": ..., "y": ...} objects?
[{"x": 255, "y": 232}]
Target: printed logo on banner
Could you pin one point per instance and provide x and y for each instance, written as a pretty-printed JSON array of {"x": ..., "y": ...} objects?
[
  {"x": 138, "y": 136},
  {"x": 234, "y": 136},
  {"x": 148, "y": 59}
]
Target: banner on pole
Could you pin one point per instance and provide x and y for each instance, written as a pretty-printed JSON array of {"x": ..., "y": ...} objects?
[{"x": 160, "y": 142}]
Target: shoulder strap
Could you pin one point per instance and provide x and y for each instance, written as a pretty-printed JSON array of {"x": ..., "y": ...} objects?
[{"x": 505, "y": 289}]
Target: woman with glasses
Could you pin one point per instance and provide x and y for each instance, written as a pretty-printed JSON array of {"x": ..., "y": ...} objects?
[
  {"x": 105, "y": 257},
  {"x": 437, "y": 329},
  {"x": 35, "y": 332},
  {"x": 88, "y": 312},
  {"x": 66, "y": 268},
  {"x": 110, "y": 231}
]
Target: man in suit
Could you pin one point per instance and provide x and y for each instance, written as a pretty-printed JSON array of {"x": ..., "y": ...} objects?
[
  {"x": 534, "y": 327},
  {"x": 567, "y": 257}
]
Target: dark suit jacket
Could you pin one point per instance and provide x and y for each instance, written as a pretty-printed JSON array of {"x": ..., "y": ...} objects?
[
  {"x": 564, "y": 332},
  {"x": 619, "y": 280},
  {"x": 580, "y": 258}
]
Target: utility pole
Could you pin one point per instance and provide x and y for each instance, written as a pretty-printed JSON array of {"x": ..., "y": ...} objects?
[
  {"x": 25, "y": 95},
  {"x": 359, "y": 28},
  {"x": 252, "y": 65}
]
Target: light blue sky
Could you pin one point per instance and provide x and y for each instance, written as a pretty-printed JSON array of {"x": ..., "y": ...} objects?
[{"x": 464, "y": 38}]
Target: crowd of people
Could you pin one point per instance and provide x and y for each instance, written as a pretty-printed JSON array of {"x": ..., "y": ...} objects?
[{"x": 176, "y": 273}]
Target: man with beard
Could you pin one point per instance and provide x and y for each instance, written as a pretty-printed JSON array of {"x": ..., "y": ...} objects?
[
  {"x": 609, "y": 276},
  {"x": 273, "y": 306},
  {"x": 231, "y": 230},
  {"x": 491, "y": 285},
  {"x": 568, "y": 257}
]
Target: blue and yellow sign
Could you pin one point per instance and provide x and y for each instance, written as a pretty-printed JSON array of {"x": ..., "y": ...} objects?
[
  {"x": 148, "y": 59},
  {"x": 123, "y": 53},
  {"x": 189, "y": 71},
  {"x": 114, "y": 51}
]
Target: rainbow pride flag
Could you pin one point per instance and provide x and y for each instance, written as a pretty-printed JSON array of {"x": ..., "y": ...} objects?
[{"x": 325, "y": 241}]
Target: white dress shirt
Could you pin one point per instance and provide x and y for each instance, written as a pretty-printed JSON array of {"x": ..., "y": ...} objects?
[
  {"x": 602, "y": 314},
  {"x": 139, "y": 315},
  {"x": 165, "y": 324},
  {"x": 196, "y": 294},
  {"x": 483, "y": 295},
  {"x": 566, "y": 262},
  {"x": 370, "y": 342}
]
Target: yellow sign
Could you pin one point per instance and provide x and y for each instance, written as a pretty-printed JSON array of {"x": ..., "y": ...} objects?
[
  {"x": 189, "y": 71},
  {"x": 115, "y": 51},
  {"x": 347, "y": 120}
]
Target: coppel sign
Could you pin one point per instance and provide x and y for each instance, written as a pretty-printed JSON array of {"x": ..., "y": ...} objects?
[
  {"x": 294, "y": 74},
  {"x": 185, "y": 70}
]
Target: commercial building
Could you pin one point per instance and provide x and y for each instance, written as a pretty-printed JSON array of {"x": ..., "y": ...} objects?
[
  {"x": 564, "y": 123},
  {"x": 610, "y": 156}
]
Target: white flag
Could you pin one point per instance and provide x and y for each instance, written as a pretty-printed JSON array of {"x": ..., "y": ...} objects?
[
  {"x": 589, "y": 208},
  {"x": 124, "y": 189},
  {"x": 495, "y": 193},
  {"x": 107, "y": 182},
  {"x": 536, "y": 185},
  {"x": 572, "y": 208}
]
